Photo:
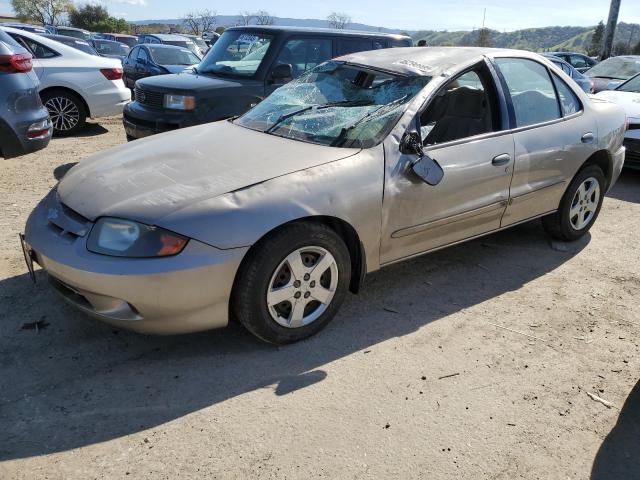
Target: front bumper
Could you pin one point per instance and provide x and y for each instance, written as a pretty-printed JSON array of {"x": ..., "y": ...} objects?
[
  {"x": 141, "y": 121},
  {"x": 632, "y": 144},
  {"x": 185, "y": 293}
]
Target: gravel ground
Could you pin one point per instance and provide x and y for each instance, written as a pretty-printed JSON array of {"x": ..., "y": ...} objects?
[{"x": 475, "y": 362}]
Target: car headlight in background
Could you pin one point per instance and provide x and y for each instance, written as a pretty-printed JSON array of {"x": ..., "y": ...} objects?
[
  {"x": 125, "y": 238},
  {"x": 179, "y": 102}
]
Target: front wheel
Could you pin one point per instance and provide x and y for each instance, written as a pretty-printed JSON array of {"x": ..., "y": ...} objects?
[
  {"x": 579, "y": 207},
  {"x": 292, "y": 283}
]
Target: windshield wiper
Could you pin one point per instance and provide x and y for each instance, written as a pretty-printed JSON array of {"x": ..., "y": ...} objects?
[
  {"x": 373, "y": 114},
  {"x": 344, "y": 103}
]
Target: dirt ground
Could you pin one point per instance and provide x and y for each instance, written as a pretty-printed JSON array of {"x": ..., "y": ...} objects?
[{"x": 474, "y": 362}]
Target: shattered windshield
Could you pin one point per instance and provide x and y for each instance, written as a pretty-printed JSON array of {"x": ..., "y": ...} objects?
[{"x": 336, "y": 104}]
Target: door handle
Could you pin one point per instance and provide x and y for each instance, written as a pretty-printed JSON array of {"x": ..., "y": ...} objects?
[
  {"x": 501, "y": 160},
  {"x": 587, "y": 137}
]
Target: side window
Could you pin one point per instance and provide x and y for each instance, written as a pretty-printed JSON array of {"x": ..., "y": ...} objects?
[
  {"x": 578, "y": 62},
  {"x": 39, "y": 50},
  {"x": 568, "y": 99},
  {"x": 532, "y": 93},
  {"x": 464, "y": 108},
  {"x": 305, "y": 53},
  {"x": 142, "y": 54},
  {"x": 133, "y": 53},
  {"x": 353, "y": 45}
]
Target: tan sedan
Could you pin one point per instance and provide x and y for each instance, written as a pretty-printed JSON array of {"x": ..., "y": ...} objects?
[{"x": 364, "y": 161}]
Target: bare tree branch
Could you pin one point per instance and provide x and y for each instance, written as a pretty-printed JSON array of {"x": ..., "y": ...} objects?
[
  {"x": 245, "y": 18},
  {"x": 200, "y": 21},
  {"x": 47, "y": 12},
  {"x": 263, "y": 18},
  {"x": 339, "y": 20}
]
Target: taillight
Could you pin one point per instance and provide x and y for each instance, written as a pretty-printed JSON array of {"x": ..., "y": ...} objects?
[
  {"x": 112, "y": 73},
  {"x": 15, "y": 63}
]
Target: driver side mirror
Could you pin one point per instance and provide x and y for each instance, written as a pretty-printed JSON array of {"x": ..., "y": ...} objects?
[
  {"x": 424, "y": 167},
  {"x": 282, "y": 71}
]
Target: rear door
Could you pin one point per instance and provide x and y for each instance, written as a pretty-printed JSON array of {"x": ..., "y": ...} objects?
[{"x": 552, "y": 137}]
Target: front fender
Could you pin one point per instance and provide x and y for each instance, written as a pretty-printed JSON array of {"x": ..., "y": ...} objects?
[{"x": 349, "y": 189}]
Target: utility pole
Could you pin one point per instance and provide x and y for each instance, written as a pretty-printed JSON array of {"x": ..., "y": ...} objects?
[{"x": 610, "y": 30}]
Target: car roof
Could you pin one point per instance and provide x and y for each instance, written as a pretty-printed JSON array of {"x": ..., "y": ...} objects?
[
  {"x": 161, "y": 45},
  {"x": 346, "y": 33},
  {"x": 62, "y": 27},
  {"x": 165, "y": 36},
  {"x": 429, "y": 61},
  {"x": 120, "y": 35},
  {"x": 67, "y": 38},
  {"x": 106, "y": 40}
]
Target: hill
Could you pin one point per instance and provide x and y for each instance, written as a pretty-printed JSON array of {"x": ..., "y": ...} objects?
[{"x": 536, "y": 39}]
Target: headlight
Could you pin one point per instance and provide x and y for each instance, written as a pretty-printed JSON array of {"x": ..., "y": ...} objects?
[
  {"x": 179, "y": 102},
  {"x": 125, "y": 238}
]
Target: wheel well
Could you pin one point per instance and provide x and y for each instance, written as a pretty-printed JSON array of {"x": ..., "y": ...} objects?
[
  {"x": 348, "y": 235},
  {"x": 601, "y": 159},
  {"x": 69, "y": 90}
]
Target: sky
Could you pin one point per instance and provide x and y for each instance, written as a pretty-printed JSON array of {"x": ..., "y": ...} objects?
[{"x": 501, "y": 15}]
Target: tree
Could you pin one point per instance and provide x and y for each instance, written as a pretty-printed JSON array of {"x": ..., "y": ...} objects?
[
  {"x": 621, "y": 48},
  {"x": 46, "y": 12},
  {"x": 484, "y": 38},
  {"x": 595, "y": 47},
  {"x": 88, "y": 15},
  {"x": 263, "y": 18},
  {"x": 200, "y": 21},
  {"x": 636, "y": 49},
  {"x": 339, "y": 20},
  {"x": 244, "y": 18}
]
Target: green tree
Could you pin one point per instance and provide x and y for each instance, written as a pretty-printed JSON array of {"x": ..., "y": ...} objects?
[
  {"x": 97, "y": 19},
  {"x": 595, "y": 47},
  {"x": 46, "y": 12}
]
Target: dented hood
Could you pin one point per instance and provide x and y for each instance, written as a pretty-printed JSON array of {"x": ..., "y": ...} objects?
[{"x": 151, "y": 178}]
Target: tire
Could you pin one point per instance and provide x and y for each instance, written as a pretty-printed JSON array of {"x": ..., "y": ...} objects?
[
  {"x": 67, "y": 111},
  {"x": 566, "y": 224},
  {"x": 282, "y": 267}
]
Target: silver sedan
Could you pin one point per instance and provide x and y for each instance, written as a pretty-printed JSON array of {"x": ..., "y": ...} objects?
[{"x": 364, "y": 161}]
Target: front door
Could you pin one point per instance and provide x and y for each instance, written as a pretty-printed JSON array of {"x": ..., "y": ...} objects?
[{"x": 461, "y": 129}]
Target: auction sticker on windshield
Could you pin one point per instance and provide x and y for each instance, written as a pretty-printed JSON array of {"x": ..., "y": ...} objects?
[{"x": 248, "y": 38}]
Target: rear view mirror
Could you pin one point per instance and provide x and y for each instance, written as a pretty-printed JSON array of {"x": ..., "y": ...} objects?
[
  {"x": 282, "y": 71},
  {"x": 424, "y": 167}
]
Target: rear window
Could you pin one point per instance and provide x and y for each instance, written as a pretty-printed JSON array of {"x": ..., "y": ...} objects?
[{"x": 173, "y": 56}]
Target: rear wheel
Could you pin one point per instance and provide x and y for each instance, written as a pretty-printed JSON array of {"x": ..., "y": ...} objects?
[
  {"x": 67, "y": 111},
  {"x": 292, "y": 284},
  {"x": 579, "y": 207}
]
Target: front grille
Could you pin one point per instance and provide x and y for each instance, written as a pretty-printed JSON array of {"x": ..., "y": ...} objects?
[
  {"x": 632, "y": 155},
  {"x": 63, "y": 220},
  {"x": 149, "y": 98}
]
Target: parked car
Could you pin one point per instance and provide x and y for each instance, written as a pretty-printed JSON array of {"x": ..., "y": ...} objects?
[
  {"x": 110, "y": 48},
  {"x": 73, "y": 85},
  {"x": 364, "y": 162},
  {"x": 26, "y": 27},
  {"x": 74, "y": 42},
  {"x": 242, "y": 68},
  {"x": 129, "y": 40},
  {"x": 170, "y": 39},
  {"x": 210, "y": 37},
  {"x": 611, "y": 72},
  {"x": 201, "y": 45},
  {"x": 150, "y": 60},
  {"x": 579, "y": 61},
  {"x": 627, "y": 96},
  {"x": 72, "y": 32},
  {"x": 24, "y": 123},
  {"x": 582, "y": 80}
]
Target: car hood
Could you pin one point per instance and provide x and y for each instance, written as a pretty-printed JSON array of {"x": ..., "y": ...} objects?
[
  {"x": 601, "y": 83},
  {"x": 151, "y": 178},
  {"x": 628, "y": 100},
  {"x": 185, "y": 82},
  {"x": 178, "y": 68}
]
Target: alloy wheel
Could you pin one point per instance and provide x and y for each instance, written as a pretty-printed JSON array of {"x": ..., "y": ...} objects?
[
  {"x": 585, "y": 204},
  {"x": 64, "y": 113},
  {"x": 302, "y": 287}
]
